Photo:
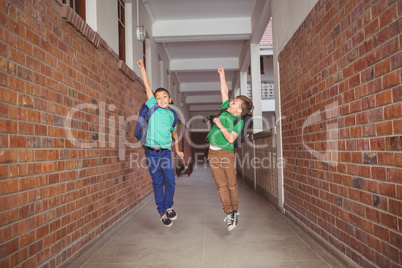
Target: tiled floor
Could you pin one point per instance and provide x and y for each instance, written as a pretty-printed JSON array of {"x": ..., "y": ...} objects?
[{"x": 199, "y": 238}]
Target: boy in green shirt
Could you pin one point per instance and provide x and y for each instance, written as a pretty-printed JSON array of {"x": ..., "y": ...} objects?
[
  {"x": 158, "y": 145},
  {"x": 221, "y": 150}
]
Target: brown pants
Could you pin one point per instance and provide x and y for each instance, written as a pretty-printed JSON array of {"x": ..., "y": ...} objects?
[{"x": 223, "y": 169}]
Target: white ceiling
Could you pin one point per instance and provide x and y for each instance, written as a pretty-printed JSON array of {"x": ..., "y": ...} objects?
[{"x": 201, "y": 35}]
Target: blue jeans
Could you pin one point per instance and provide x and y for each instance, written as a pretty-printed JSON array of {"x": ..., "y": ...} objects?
[{"x": 161, "y": 166}]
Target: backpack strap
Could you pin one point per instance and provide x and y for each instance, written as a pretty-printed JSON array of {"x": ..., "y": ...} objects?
[
  {"x": 175, "y": 117},
  {"x": 237, "y": 120},
  {"x": 141, "y": 128},
  {"x": 151, "y": 111}
]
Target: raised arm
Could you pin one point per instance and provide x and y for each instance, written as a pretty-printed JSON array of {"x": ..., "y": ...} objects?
[
  {"x": 145, "y": 79},
  {"x": 224, "y": 86}
]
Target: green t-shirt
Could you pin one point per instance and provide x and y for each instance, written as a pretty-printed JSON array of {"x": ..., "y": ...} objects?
[
  {"x": 216, "y": 137},
  {"x": 159, "y": 127}
]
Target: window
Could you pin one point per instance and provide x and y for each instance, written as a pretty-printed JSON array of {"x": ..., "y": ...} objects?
[
  {"x": 77, "y": 5},
  {"x": 122, "y": 30}
]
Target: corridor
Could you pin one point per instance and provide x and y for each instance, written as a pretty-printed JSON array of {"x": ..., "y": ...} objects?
[{"x": 198, "y": 238}]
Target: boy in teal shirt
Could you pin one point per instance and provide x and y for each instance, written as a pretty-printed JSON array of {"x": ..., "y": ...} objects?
[
  {"x": 221, "y": 150},
  {"x": 158, "y": 145}
]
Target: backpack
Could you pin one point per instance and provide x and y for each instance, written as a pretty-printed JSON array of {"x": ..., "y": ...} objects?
[
  {"x": 142, "y": 123},
  {"x": 247, "y": 128}
]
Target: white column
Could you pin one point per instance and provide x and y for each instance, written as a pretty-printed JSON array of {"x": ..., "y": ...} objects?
[
  {"x": 169, "y": 85},
  {"x": 236, "y": 92},
  {"x": 277, "y": 32},
  {"x": 256, "y": 87},
  {"x": 173, "y": 94},
  {"x": 243, "y": 83},
  {"x": 151, "y": 64},
  {"x": 130, "y": 41},
  {"x": 278, "y": 132},
  {"x": 160, "y": 82}
]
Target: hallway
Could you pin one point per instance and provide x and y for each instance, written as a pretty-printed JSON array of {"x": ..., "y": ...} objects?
[{"x": 198, "y": 238}]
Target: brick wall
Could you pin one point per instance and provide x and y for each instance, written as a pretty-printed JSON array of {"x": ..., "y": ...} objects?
[
  {"x": 267, "y": 166},
  {"x": 341, "y": 99},
  {"x": 244, "y": 155},
  {"x": 258, "y": 155},
  {"x": 56, "y": 195}
]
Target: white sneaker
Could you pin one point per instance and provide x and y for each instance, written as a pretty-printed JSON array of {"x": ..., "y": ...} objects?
[
  {"x": 230, "y": 221},
  {"x": 166, "y": 221},
  {"x": 235, "y": 218},
  {"x": 171, "y": 214}
]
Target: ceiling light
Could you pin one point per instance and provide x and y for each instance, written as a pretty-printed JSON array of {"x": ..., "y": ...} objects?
[{"x": 141, "y": 33}]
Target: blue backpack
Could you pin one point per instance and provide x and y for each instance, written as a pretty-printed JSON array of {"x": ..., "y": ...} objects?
[{"x": 142, "y": 124}]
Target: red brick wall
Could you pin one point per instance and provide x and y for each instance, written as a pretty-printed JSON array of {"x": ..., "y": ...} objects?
[
  {"x": 54, "y": 196},
  {"x": 341, "y": 99}
]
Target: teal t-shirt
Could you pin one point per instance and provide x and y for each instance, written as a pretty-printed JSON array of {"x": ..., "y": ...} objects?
[
  {"x": 159, "y": 127},
  {"x": 216, "y": 137}
]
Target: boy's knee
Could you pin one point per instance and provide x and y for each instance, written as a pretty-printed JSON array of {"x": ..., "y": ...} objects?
[{"x": 232, "y": 187}]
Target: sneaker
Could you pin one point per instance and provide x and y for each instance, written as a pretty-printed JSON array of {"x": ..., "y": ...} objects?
[
  {"x": 235, "y": 217},
  {"x": 230, "y": 221},
  {"x": 172, "y": 215},
  {"x": 166, "y": 221}
]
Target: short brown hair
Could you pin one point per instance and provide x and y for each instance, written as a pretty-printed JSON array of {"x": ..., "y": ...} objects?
[
  {"x": 246, "y": 104},
  {"x": 161, "y": 89}
]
